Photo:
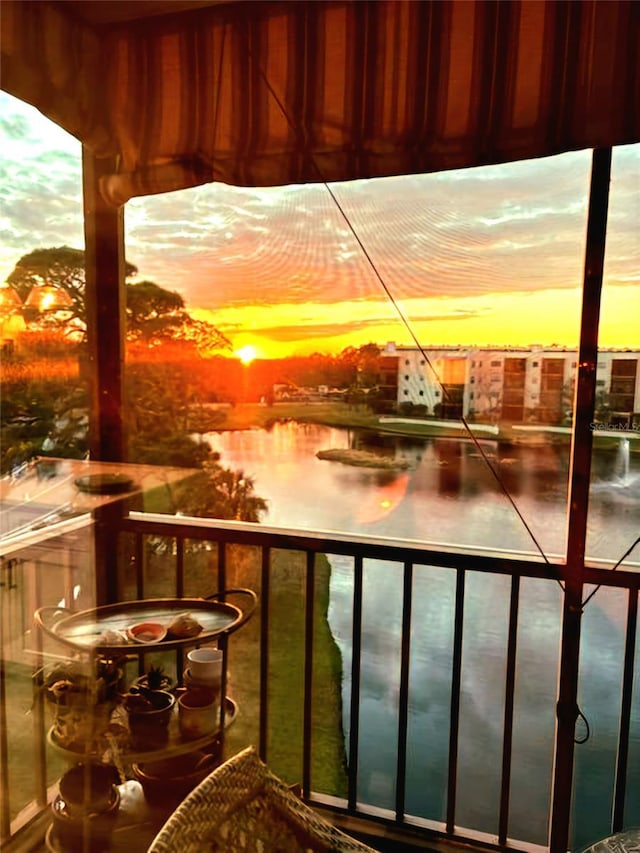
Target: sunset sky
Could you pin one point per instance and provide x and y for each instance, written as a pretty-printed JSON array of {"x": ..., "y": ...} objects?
[{"x": 478, "y": 256}]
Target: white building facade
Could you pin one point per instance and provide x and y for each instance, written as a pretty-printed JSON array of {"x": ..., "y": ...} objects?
[{"x": 519, "y": 385}]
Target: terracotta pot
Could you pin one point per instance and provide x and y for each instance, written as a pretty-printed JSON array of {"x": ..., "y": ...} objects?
[
  {"x": 86, "y": 808},
  {"x": 149, "y": 723},
  {"x": 89, "y": 787},
  {"x": 169, "y": 781}
]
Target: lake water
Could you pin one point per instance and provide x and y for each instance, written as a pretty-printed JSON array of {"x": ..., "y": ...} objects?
[{"x": 448, "y": 495}]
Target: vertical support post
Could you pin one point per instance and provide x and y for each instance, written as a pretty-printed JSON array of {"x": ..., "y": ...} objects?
[
  {"x": 105, "y": 306},
  {"x": 579, "y": 479},
  {"x": 307, "y": 719},
  {"x": 265, "y": 597}
]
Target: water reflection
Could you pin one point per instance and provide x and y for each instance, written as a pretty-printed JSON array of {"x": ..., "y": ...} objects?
[{"x": 448, "y": 495}]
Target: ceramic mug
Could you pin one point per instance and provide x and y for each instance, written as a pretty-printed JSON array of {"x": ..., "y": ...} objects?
[
  {"x": 205, "y": 667},
  {"x": 198, "y": 712}
]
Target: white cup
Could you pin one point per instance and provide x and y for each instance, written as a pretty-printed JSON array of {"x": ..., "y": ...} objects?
[{"x": 205, "y": 666}]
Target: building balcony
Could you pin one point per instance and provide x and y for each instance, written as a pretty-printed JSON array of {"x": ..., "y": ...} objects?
[{"x": 318, "y": 664}]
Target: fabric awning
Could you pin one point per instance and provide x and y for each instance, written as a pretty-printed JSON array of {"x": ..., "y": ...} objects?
[{"x": 272, "y": 93}]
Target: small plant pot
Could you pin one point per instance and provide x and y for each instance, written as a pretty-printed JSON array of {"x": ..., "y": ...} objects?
[{"x": 149, "y": 714}]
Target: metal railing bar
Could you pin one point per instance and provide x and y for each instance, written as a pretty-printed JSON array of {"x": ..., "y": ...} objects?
[
  {"x": 625, "y": 714},
  {"x": 179, "y": 659},
  {"x": 180, "y": 566},
  {"x": 310, "y": 590},
  {"x": 403, "y": 699},
  {"x": 354, "y": 705},
  {"x": 608, "y": 578},
  {"x": 139, "y": 558},
  {"x": 454, "y": 724},
  {"x": 5, "y": 821},
  {"x": 223, "y": 645},
  {"x": 507, "y": 740},
  {"x": 222, "y": 566},
  {"x": 265, "y": 593},
  {"x": 209, "y": 530},
  {"x": 38, "y": 714}
]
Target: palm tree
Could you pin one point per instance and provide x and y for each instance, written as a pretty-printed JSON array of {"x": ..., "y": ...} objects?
[{"x": 218, "y": 492}]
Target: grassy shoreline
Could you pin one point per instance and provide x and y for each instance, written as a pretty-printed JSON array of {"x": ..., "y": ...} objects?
[{"x": 255, "y": 416}]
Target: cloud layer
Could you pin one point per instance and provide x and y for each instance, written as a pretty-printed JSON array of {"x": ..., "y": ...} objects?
[{"x": 319, "y": 261}]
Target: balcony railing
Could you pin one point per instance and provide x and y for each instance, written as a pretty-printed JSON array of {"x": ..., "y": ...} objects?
[{"x": 232, "y": 554}]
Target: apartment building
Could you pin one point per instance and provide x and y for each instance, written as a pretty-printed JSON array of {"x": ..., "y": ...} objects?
[{"x": 518, "y": 385}]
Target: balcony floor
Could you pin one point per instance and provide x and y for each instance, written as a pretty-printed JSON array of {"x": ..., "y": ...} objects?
[{"x": 131, "y": 836}]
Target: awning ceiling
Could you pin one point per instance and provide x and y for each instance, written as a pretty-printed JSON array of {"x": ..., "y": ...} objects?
[{"x": 272, "y": 93}]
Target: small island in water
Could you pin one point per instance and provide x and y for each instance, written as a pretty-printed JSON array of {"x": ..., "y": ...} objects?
[{"x": 362, "y": 458}]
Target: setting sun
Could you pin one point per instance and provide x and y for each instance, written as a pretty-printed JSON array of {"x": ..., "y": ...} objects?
[{"x": 246, "y": 354}]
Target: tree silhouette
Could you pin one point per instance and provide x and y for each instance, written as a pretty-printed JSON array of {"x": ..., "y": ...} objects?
[
  {"x": 61, "y": 267},
  {"x": 153, "y": 313}
]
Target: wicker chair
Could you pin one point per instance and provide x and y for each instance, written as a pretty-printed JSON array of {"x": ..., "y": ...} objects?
[{"x": 243, "y": 806}]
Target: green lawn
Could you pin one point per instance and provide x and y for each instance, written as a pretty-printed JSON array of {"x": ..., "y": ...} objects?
[
  {"x": 286, "y": 657},
  {"x": 247, "y": 415}
]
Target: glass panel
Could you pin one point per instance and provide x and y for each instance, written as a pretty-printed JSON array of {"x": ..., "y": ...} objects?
[
  {"x": 482, "y": 696},
  {"x": 615, "y": 475},
  {"x": 44, "y": 413},
  {"x": 379, "y": 682},
  {"x": 632, "y": 802},
  {"x": 534, "y": 723},
  {"x": 42, "y": 315},
  {"x": 430, "y": 692},
  {"x": 486, "y": 267},
  {"x": 52, "y": 571},
  {"x": 601, "y": 668}
]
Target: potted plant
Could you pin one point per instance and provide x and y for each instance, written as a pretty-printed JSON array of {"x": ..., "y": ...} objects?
[
  {"x": 149, "y": 713},
  {"x": 155, "y": 679},
  {"x": 83, "y": 696}
]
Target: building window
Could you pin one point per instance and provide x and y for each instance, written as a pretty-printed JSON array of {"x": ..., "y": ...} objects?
[
  {"x": 600, "y": 383},
  {"x": 471, "y": 396},
  {"x": 536, "y": 363},
  {"x": 406, "y": 376},
  {"x": 407, "y": 362},
  {"x": 473, "y": 364},
  {"x": 405, "y": 392},
  {"x": 472, "y": 380},
  {"x": 495, "y": 364},
  {"x": 422, "y": 393}
]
